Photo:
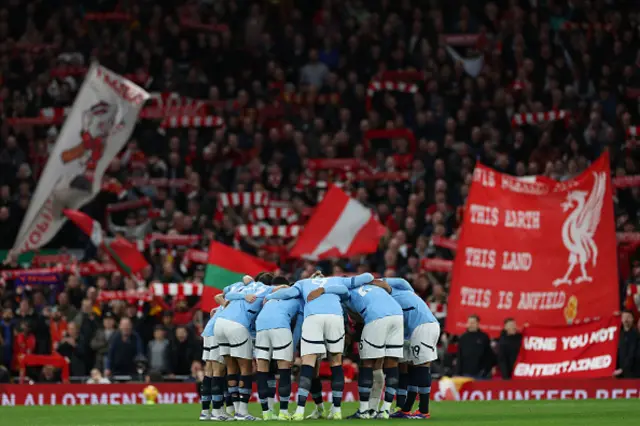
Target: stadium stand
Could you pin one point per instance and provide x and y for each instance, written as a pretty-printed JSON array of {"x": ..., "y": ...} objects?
[{"x": 392, "y": 101}]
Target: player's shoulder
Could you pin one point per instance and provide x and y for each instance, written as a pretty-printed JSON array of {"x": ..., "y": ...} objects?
[{"x": 302, "y": 282}]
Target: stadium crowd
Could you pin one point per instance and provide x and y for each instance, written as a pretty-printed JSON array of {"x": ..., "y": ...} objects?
[{"x": 291, "y": 81}]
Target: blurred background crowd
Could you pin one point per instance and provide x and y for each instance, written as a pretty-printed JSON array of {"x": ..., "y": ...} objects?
[{"x": 291, "y": 80}]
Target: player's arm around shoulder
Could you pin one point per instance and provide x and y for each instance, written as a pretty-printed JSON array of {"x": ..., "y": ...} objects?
[
  {"x": 382, "y": 284},
  {"x": 399, "y": 284},
  {"x": 220, "y": 300},
  {"x": 285, "y": 292},
  {"x": 358, "y": 280}
]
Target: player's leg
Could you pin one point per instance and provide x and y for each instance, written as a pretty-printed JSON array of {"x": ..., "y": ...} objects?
[
  {"x": 401, "y": 393},
  {"x": 241, "y": 349},
  {"x": 205, "y": 387},
  {"x": 316, "y": 393},
  {"x": 221, "y": 335},
  {"x": 371, "y": 349},
  {"x": 282, "y": 345},
  {"x": 272, "y": 384},
  {"x": 333, "y": 330},
  {"x": 365, "y": 382},
  {"x": 424, "y": 342},
  {"x": 233, "y": 381},
  {"x": 263, "y": 387},
  {"x": 391, "y": 386},
  {"x": 263, "y": 358},
  {"x": 312, "y": 344},
  {"x": 394, "y": 342},
  {"x": 316, "y": 390},
  {"x": 217, "y": 387},
  {"x": 429, "y": 334},
  {"x": 284, "y": 389},
  {"x": 378, "y": 384}
]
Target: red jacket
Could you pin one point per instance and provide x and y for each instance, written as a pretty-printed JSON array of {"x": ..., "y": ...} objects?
[{"x": 22, "y": 345}]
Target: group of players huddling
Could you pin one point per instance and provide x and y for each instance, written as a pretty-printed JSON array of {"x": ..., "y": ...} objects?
[{"x": 398, "y": 343}]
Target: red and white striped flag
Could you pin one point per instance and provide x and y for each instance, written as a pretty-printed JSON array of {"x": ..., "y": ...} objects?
[
  {"x": 340, "y": 227},
  {"x": 538, "y": 117},
  {"x": 243, "y": 199},
  {"x": 275, "y": 213},
  {"x": 176, "y": 289}
]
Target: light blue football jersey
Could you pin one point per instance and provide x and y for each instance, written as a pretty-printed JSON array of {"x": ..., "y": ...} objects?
[
  {"x": 372, "y": 302},
  {"x": 279, "y": 313},
  {"x": 241, "y": 311},
  {"x": 208, "y": 329},
  {"x": 415, "y": 310},
  {"x": 329, "y": 303}
]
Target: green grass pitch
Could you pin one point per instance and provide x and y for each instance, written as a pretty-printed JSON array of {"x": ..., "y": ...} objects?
[{"x": 504, "y": 413}]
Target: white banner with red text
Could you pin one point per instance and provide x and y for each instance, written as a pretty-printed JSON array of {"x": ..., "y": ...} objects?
[
  {"x": 99, "y": 124},
  {"x": 186, "y": 393},
  {"x": 586, "y": 350}
]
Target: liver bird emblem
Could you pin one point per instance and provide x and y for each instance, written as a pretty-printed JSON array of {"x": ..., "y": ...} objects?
[{"x": 580, "y": 227}]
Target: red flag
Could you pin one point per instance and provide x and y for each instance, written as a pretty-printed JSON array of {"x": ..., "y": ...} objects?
[
  {"x": 226, "y": 266},
  {"x": 125, "y": 255},
  {"x": 535, "y": 249},
  {"x": 340, "y": 227}
]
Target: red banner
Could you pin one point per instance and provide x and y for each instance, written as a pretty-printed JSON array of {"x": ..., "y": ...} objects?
[
  {"x": 536, "y": 250},
  {"x": 541, "y": 390},
  {"x": 578, "y": 351},
  {"x": 186, "y": 393}
]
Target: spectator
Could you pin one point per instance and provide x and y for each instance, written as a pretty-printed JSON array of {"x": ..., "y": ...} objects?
[
  {"x": 508, "y": 348},
  {"x": 314, "y": 73},
  {"x": 36, "y": 325},
  {"x": 73, "y": 347},
  {"x": 158, "y": 351},
  {"x": 167, "y": 323},
  {"x": 628, "y": 348},
  {"x": 7, "y": 325},
  {"x": 197, "y": 372},
  {"x": 124, "y": 347},
  {"x": 475, "y": 356},
  {"x": 101, "y": 340},
  {"x": 23, "y": 344},
  {"x": 5, "y": 376},
  {"x": 48, "y": 375},
  {"x": 87, "y": 324},
  {"x": 57, "y": 326},
  {"x": 65, "y": 308},
  {"x": 97, "y": 379},
  {"x": 74, "y": 290},
  {"x": 183, "y": 352}
]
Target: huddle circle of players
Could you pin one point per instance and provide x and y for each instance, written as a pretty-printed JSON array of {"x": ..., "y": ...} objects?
[{"x": 398, "y": 343}]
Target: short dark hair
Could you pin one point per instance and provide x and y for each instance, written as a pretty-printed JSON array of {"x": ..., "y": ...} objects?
[
  {"x": 627, "y": 311},
  {"x": 280, "y": 280},
  {"x": 264, "y": 277},
  {"x": 474, "y": 316},
  {"x": 508, "y": 320}
]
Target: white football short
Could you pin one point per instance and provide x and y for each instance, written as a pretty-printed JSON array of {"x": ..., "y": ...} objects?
[
  {"x": 383, "y": 338},
  {"x": 423, "y": 345},
  {"x": 275, "y": 343},
  {"x": 322, "y": 333},
  {"x": 233, "y": 339},
  {"x": 211, "y": 350}
]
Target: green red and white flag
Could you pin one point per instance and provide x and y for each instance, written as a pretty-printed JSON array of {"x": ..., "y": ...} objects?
[
  {"x": 226, "y": 266},
  {"x": 124, "y": 254}
]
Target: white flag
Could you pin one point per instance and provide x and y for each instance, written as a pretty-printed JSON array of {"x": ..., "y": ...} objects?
[
  {"x": 99, "y": 124},
  {"x": 472, "y": 66}
]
